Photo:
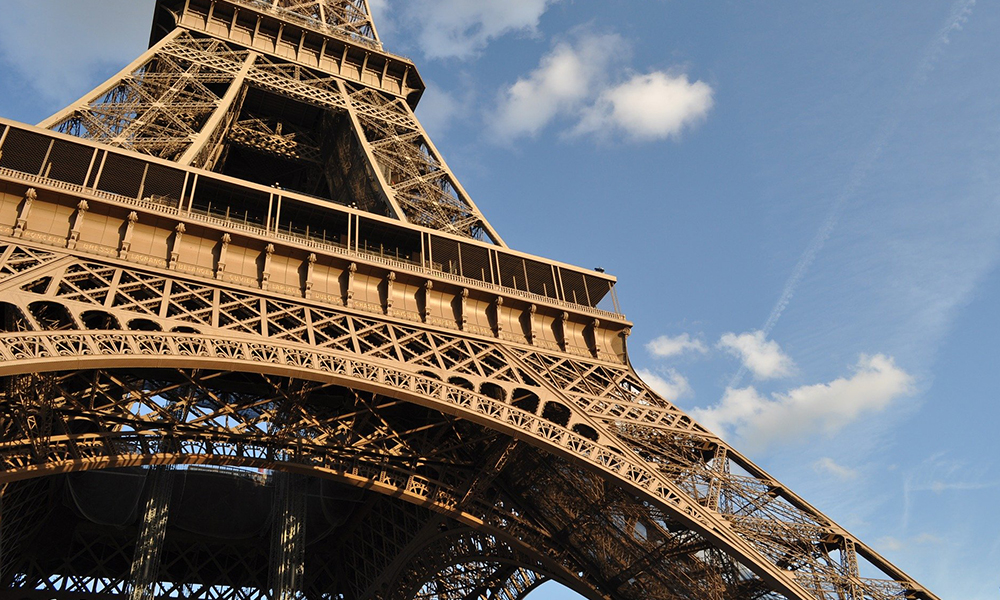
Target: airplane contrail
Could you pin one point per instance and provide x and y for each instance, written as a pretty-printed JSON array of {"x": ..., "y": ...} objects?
[{"x": 960, "y": 13}]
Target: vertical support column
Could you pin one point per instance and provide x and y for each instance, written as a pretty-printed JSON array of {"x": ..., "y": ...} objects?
[
  {"x": 564, "y": 330},
  {"x": 74, "y": 232},
  {"x": 310, "y": 275},
  {"x": 175, "y": 248},
  {"x": 349, "y": 297},
  {"x": 288, "y": 537},
  {"x": 595, "y": 331},
  {"x": 220, "y": 268},
  {"x": 532, "y": 332},
  {"x": 146, "y": 560},
  {"x": 387, "y": 192},
  {"x": 22, "y": 217},
  {"x": 463, "y": 317},
  {"x": 389, "y": 280},
  {"x": 126, "y": 243},
  {"x": 265, "y": 274},
  {"x": 849, "y": 559},
  {"x": 720, "y": 467},
  {"x": 498, "y": 313}
]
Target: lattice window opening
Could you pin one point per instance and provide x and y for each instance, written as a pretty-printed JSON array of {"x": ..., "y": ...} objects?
[
  {"x": 512, "y": 272},
  {"x": 122, "y": 175},
  {"x": 284, "y": 141},
  {"x": 52, "y": 316},
  {"x": 98, "y": 320},
  {"x": 162, "y": 185},
  {"x": 230, "y": 202},
  {"x": 89, "y": 282},
  {"x": 12, "y": 319},
  {"x": 21, "y": 259},
  {"x": 387, "y": 241},
  {"x": 310, "y": 222},
  {"x": 68, "y": 162},
  {"x": 24, "y": 151},
  {"x": 139, "y": 291},
  {"x": 193, "y": 306},
  {"x": 445, "y": 256}
]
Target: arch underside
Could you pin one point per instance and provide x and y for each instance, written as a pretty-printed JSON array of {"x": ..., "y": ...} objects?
[
  {"x": 545, "y": 513},
  {"x": 574, "y": 464},
  {"x": 62, "y": 551}
]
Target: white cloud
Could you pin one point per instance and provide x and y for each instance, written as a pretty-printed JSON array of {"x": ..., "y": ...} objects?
[
  {"x": 575, "y": 82},
  {"x": 666, "y": 346},
  {"x": 832, "y": 467},
  {"x": 671, "y": 388},
  {"x": 379, "y": 12},
  {"x": 804, "y": 411},
  {"x": 461, "y": 28},
  {"x": 763, "y": 357},
  {"x": 564, "y": 79},
  {"x": 653, "y": 106},
  {"x": 61, "y": 63},
  {"x": 438, "y": 109}
]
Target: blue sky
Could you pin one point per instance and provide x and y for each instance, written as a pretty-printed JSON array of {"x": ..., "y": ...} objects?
[{"x": 801, "y": 202}]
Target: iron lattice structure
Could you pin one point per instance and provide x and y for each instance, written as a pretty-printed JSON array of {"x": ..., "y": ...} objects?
[{"x": 257, "y": 342}]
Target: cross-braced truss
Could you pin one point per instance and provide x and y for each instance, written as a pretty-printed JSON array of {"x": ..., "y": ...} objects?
[
  {"x": 185, "y": 100},
  {"x": 347, "y": 18}
]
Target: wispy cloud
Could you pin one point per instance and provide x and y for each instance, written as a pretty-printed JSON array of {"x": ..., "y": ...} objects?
[
  {"x": 960, "y": 13},
  {"x": 461, "y": 28},
  {"x": 896, "y": 544},
  {"x": 667, "y": 347},
  {"x": 671, "y": 386},
  {"x": 575, "y": 83},
  {"x": 831, "y": 467},
  {"x": 763, "y": 357},
  {"x": 939, "y": 474},
  {"x": 825, "y": 408}
]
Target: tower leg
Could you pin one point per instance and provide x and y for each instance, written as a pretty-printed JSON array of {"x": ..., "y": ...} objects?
[
  {"x": 288, "y": 537},
  {"x": 146, "y": 562}
]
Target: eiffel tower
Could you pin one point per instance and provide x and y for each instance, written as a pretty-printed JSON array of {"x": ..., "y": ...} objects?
[{"x": 256, "y": 342}]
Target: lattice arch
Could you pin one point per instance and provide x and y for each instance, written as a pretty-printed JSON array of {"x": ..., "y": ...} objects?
[{"x": 176, "y": 417}]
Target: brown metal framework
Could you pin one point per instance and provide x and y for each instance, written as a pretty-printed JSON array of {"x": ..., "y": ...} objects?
[{"x": 243, "y": 252}]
